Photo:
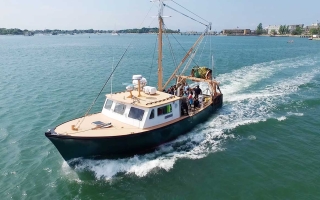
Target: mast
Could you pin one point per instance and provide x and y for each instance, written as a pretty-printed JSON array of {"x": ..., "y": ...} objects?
[
  {"x": 160, "y": 73},
  {"x": 160, "y": 55}
]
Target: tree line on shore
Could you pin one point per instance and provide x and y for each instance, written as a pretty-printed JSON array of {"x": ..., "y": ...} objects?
[
  {"x": 284, "y": 29},
  {"x": 16, "y": 31}
]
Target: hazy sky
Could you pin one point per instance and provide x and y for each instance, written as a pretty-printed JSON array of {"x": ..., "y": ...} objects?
[{"x": 123, "y": 14}]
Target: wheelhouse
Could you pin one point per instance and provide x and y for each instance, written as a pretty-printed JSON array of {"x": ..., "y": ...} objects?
[{"x": 151, "y": 110}]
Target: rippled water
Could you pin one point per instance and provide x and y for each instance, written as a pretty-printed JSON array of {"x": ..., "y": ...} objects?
[{"x": 263, "y": 143}]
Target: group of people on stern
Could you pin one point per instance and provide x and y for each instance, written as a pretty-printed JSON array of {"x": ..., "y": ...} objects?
[{"x": 190, "y": 96}]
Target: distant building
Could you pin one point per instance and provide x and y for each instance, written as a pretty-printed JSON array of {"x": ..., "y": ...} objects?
[
  {"x": 294, "y": 27},
  {"x": 236, "y": 32},
  {"x": 28, "y": 33},
  {"x": 253, "y": 32},
  {"x": 313, "y": 26},
  {"x": 272, "y": 27},
  {"x": 277, "y": 27}
]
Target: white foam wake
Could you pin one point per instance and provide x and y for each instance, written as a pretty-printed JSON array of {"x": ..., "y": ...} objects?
[
  {"x": 240, "y": 109},
  {"x": 241, "y": 79}
]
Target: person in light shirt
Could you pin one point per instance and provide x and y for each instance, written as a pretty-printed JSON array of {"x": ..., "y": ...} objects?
[
  {"x": 186, "y": 87},
  {"x": 190, "y": 98}
]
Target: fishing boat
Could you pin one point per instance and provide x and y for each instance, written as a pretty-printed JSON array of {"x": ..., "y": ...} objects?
[
  {"x": 142, "y": 117},
  {"x": 115, "y": 33}
]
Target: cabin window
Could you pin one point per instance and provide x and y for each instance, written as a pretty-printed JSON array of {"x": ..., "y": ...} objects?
[
  {"x": 108, "y": 104},
  {"x": 136, "y": 113},
  {"x": 151, "y": 114},
  {"x": 164, "y": 110},
  {"x": 119, "y": 108}
]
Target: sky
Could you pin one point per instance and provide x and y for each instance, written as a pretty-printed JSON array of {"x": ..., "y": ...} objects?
[{"x": 126, "y": 14}]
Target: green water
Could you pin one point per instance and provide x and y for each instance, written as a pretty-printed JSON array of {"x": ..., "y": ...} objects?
[{"x": 263, "y": 143}]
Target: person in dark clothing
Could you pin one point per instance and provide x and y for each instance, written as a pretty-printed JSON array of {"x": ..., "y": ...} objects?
[
  {"x": 197, "y": 91},
  {"x": 184, "y": 106},
  {"x": 196, "y": 103},
  {"x": 171, "y": 90}
]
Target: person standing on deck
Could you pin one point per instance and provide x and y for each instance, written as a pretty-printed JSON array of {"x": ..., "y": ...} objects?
[
  {"x": 197, "y": 91},
  {"x": 184, "y": 106},
  {"x": 190, "y": 98},
  {"x": 196, "y": 102},
  {"x": 185, "y": 88}
]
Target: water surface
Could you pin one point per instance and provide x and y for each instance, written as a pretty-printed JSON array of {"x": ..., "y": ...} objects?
[{"x": 263, "y": 143}]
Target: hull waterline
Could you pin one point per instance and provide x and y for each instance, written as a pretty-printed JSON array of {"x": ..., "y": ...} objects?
[{"x": 71, "y": 147}]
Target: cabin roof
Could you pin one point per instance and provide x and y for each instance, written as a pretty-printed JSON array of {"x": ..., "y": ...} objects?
[{"x": 145, "y": 100}]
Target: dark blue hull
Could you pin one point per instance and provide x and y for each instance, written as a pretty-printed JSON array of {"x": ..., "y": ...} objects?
[{"x": 121, "y": 146}]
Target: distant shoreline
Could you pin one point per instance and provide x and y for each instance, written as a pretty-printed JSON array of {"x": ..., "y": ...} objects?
[
  {"x": 296, "y": 36},
  {"x": 16, "y": 31},
  {"x": 218, "y": 35}
]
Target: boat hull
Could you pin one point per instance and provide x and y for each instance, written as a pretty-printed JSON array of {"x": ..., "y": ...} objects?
[{"x": 127, "y": 145}]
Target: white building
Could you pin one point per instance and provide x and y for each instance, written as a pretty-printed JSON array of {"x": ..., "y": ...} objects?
[
  {"x": 313, "y": 26},
  {"x": 277, "y": 27},
  {"x": 272, "y": 27}
]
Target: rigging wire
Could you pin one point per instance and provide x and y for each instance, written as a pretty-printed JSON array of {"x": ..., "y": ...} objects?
[
  {"x": 188, "y": 17},
  {"x": 211, "y": 59},
  {"x": 170, "y": 47},
  {"x": 154, "y": 52},
  {"x": 185, "y": 15},
  {"x": 184, "y": 49},
  {"x": 192, "y": 56},
  {"x": 104, "y": 84},
  {"x": 205, "y": 43},
  {"x": 112, "y": 69},
  {"x": 189, "y": 11},
  {"x": 152, "y": 21},
  {"x": 110, "y": 74}
]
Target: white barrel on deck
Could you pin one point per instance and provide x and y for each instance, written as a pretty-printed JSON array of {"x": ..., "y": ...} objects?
[
  {"x": 152, "y": 90},
  {"x": 149, "y": 90},
  {"x": 146, "y": 89}
]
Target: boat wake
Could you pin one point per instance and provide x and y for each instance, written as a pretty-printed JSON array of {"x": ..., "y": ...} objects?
[{"x": 251, "y": 95}]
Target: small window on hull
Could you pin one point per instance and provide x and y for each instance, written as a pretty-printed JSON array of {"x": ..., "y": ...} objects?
[
  {"x": 119, "y": 108},
  {"x": 108, "y": 104},
  {"x": 136, "y": 113},
  {"x": 151, "y": 114},
  {"x": 164, "y": 110}
]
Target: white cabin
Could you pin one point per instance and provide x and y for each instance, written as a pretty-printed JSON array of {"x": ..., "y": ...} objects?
[{"x": 147, "y": 111}]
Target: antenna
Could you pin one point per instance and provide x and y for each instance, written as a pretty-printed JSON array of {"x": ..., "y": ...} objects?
[
  {"x": 112, "y": 74},
  {"x": 212, "y": 60}
]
